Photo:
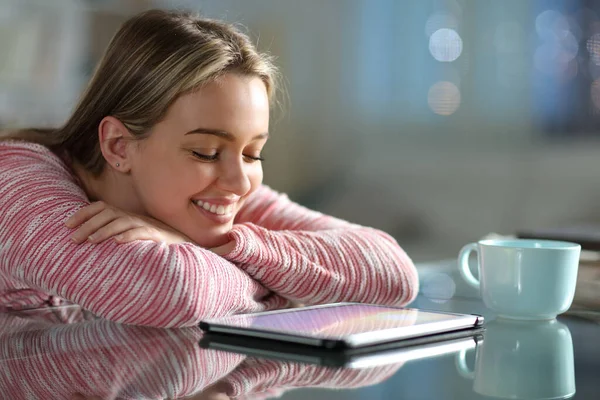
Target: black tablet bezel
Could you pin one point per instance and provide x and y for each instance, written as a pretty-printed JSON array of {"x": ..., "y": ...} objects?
[{"x": 216, "y": 326}]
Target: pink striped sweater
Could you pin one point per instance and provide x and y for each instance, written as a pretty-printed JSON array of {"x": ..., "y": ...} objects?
[{"x": 284, "y": 252}]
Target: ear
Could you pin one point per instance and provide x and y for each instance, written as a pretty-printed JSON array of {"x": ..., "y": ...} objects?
[{"x": 115, "y": 144}]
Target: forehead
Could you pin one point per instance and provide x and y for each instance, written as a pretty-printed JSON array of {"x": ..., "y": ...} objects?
[{"x": 233, "y": 103}]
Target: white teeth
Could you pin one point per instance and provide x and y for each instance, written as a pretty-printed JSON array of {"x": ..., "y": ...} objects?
[{"x": 215, "y": 209}]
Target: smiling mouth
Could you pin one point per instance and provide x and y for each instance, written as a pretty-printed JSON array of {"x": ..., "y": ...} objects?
[{"x": 217, "y": 209}]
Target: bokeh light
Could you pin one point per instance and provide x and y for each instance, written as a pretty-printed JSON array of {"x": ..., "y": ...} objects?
[
  {"x": 445, "y": 45},
  {"x": 559, "y": 46},
  {"x": 444, "y": 98},
  {"x": 438, "y": 287},
  {"x": 551, "y": 24}
]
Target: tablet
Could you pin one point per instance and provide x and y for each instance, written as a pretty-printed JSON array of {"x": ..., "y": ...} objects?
[
  {"x": 342, "y": 325},
  {"x": 353, "y": 358}
]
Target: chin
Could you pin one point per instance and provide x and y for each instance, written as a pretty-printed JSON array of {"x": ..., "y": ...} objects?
[{"x": 208, "y": 241}]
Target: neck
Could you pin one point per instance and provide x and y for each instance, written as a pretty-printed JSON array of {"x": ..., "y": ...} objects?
[{"x": 111, "y": 187}]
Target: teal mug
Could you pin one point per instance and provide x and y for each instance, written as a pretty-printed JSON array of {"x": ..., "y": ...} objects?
[{"x": 523, "y": 278}]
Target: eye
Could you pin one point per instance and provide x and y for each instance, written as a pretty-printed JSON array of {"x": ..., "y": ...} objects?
[
  {"x": 249, "y": 158},
  {"x": 205, "y": 157}
]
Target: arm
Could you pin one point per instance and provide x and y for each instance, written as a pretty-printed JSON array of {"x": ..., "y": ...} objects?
[
  {"x": 108, "y": 360},
  {"x": 313, "y": 258},
  {"x": 141, "y": 282}
]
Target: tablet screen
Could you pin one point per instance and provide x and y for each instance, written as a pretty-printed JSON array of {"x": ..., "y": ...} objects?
[{"x": 340, "y": 320}]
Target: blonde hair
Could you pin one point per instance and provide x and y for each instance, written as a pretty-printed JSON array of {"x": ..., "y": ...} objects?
[{"x": 154, "y": 58}]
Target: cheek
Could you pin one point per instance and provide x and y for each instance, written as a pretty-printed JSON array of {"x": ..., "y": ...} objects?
[
  {"x": 157, "y": 176},
  {"x": 179, "y": 183},
  {"x": 162, "y": 183}
]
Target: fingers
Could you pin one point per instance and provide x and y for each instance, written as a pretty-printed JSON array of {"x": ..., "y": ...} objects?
[
  {"x": 114, "y": 228},
  {"x": 139, "y": 233},
  {"x": 84, "y": 214},
  {"x": 150, "y": 233},
  {"x": 93, "y": 224},
  {"x": 100, "y": 221}
]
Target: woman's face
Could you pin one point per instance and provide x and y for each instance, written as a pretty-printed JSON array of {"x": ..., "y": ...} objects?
[{"x": 202, "y": 161}]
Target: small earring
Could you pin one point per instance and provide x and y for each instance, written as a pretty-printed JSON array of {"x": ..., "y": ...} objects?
[{"x": 118, "y": 165}]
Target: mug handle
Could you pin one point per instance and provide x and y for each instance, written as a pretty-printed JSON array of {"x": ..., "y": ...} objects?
[
  {"x": 461, "y": 365},
  {"x": 463, "y": 265}
]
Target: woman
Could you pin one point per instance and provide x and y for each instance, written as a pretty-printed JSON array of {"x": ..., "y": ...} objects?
[{"x": 147, "y": 207}]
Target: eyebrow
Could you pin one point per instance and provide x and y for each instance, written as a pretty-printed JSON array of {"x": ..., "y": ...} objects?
[{"x": 223, "y": 134}]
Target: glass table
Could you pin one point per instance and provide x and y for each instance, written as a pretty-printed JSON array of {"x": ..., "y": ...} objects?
[{"x": 58, "y": 352}]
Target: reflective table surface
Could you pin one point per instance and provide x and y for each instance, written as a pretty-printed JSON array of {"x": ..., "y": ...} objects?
[{"x": 59, "y": 352}]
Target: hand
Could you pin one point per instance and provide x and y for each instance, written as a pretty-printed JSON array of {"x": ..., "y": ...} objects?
[{"x": 100, "y": 221}]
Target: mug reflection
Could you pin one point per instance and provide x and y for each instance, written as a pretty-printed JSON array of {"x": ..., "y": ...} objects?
[{"x": 523, "y": 360}]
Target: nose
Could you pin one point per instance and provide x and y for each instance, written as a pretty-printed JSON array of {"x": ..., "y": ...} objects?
[{"x": 233, "y": 177}]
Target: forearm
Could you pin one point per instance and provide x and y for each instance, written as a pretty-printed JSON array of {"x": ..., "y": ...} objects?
[{"x": 350, "y": 264}]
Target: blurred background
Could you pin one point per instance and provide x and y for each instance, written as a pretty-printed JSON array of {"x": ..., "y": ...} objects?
[{"x": 438, "y": 121}]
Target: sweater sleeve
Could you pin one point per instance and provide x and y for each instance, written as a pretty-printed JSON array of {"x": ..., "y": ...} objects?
[
  {"x": 142, "y": 282},
  {"x": 313, "y": 258},
  {"x": 105, "y": 359}
]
